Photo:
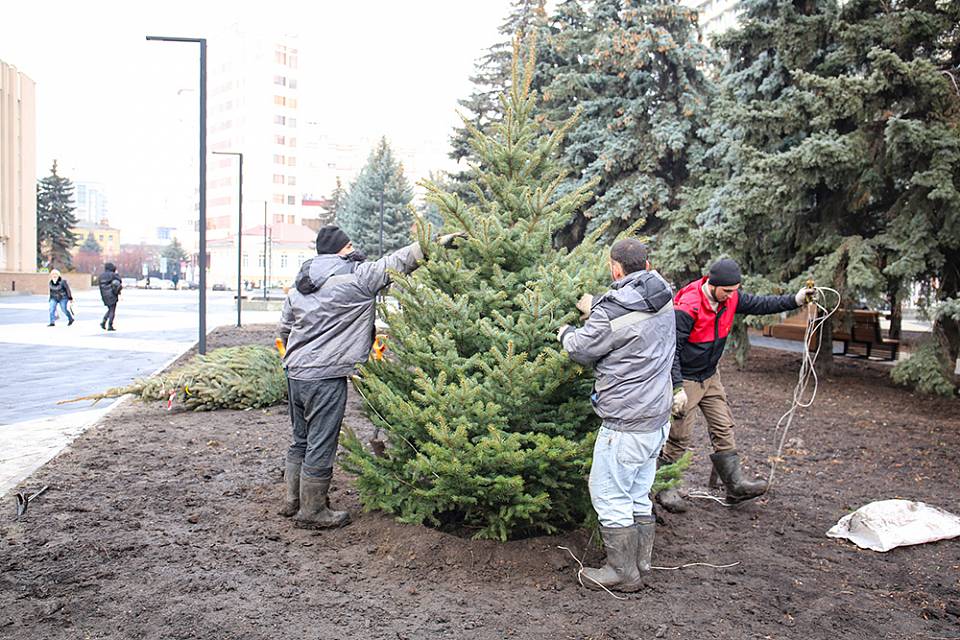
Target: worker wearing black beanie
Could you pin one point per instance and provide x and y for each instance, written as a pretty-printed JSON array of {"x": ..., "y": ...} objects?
[
  {"x": 724, "y": 273},
  {"x": 331, "y": 239},
  {"x": 704, "y": 312}
]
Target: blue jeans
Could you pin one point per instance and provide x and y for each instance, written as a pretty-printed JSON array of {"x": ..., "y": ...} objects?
[
  {"x": 53, "y": 309},
  {"x": 623, "y": 470}
]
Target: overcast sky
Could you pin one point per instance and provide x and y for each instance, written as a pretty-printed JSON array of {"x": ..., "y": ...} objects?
[{"x": 116, "y": 109}]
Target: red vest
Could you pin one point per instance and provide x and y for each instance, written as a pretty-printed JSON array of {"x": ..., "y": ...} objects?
[{"x": 693, "y": 301}]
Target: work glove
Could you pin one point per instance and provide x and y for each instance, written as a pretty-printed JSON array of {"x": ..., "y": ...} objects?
[
  {"x": 584, "y": 305},
  {"x": 806, "y": 294},
  {"x": 679, "y": 402},
  {"x": 560, "y": 332},
  {"x": 448, "y": 241}
]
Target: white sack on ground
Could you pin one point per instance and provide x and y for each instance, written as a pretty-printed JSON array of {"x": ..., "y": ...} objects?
[{"x": 886, "y": 524}]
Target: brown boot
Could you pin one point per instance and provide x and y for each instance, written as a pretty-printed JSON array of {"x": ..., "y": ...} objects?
[
  {"x": 315, "y": 511},
  {"x": 620, "y": 573},
  {"x": 727, "y": 464},
  {"x": 291, "y": 476}
]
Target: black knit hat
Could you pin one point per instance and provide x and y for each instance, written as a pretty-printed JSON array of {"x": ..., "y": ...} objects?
[
  {"x": 724, "y": 273},
  {"x": 110, "y": 267},
  {"x": 330, "y": 239}
]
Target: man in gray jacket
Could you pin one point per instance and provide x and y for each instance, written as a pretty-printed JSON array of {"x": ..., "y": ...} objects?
[
  {"x": 327, "y": 327},
  {"x": 629, "y": 338}
]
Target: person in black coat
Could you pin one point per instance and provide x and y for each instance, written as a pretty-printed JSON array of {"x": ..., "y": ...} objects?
[
  {"x": 110, "y": 287},
  {"x": 60, "y": 294}
]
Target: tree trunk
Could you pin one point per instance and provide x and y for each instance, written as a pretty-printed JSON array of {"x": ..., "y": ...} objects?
[
  {"x": 896, "y": 310},
  {"x": 949, "y": 328}
]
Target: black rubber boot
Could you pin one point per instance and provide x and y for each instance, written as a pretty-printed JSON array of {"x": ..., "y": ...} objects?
[
  {"x": 670, "y": 499},
  {"x": 647, "y": 528},
  {"x": 620, "y": 573},
  {"x": 727, "y": 464},
  {"x": 291, "y": 477},
  {"x": 315, "y": 511}
]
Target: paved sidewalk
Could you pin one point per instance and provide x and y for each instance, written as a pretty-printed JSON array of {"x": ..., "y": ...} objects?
[{"x": 45, "y": 365}]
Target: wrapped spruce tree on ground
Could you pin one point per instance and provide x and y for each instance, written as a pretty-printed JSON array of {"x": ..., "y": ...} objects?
[
  {"x": 245, "y": 377},
  {"x": 489, "y": 425}
]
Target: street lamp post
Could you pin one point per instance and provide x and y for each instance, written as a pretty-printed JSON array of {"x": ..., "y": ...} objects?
[
  {"x": 239, "y": 227},
  {"x": 264, "y": 251},
  {"x": 202, "y": 342},
  {"x": 381, "y": 224}
]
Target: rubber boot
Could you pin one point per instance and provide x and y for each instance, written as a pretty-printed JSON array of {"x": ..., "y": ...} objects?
[
  {"x": 291, "y": 476},
  {"x": 315, "y": 511},
  {"x": 620, "y": 573},
  {"x": 727, "y": 464},
  {"x": 647, "y": 528},
  {"x": 670, "y": 499}
]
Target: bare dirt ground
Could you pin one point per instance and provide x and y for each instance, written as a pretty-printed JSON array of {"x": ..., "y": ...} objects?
[{"x": 161, "y": 525}]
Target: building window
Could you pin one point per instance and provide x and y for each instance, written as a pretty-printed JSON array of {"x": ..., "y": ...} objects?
[
  {"x": 277, "y": 159},
  {"x": 279, "y": 119},
  {"x": 293, "y": 83},
  {"x": 291, "y": 161},
  {"x": 109, "y": 237},
  {"x": 277, "y": 179},
  {"x": 278, "y": 218},
  {"x": 292, "y": 62},
  {"x": 101, "y": 237},
  {"x": 293, "y": 142},
  {"x": 291, "y": 199},
  {"x": 292, "y": 122},
  {"x": 283, "y": 261},
  {"x": 246, "y": 261},
  {"x": 291, "y": 219},
  {"x": 279, "y": 101},
  {"x": 280, "y": 80},
  {"x": 279, "y": 140},
  {"x": 291, "y": 180},
  {"x": 278, "y": 198},
  {"x": 291, "y": 102},
  {"x": 260, "y": 260},
  {"x": 280, "y": 57}
]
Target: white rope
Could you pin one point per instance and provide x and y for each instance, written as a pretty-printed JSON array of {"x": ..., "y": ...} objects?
[
  {"x": 808, "y": 371},
  {"x": 807, "y": 374},
  {"x": 677, "y": 568}
]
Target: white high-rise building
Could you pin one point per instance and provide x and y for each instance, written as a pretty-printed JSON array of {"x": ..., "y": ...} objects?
[
  {"x": 716, "y": 16},
  {"x": 253, "y": 108},
  {"x": 91, "y": 202}
]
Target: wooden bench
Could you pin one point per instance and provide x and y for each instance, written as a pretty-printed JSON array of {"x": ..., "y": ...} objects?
[{"x": 863, "y": 338}]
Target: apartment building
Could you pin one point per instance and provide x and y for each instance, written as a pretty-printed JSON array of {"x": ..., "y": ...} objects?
[{"x": 18, "y": 171}]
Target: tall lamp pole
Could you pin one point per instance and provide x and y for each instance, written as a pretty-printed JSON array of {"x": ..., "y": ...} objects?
[
  {"x": 202, "y": 342},
  {"x": 239, "y": 227},
  {"x": 264, "y": 250},
  {"x": 381, "y": 224}
]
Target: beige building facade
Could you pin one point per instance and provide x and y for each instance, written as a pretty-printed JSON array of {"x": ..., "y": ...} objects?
[{"x": 18, "y": 171}]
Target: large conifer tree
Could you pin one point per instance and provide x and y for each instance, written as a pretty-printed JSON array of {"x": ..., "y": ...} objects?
[
  {"x": 55, "y": 221},
  {"x": 359, "y": 214},
  {"x": 489, "y": 425}
]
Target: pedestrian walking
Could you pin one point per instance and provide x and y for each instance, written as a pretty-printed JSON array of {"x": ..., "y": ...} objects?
[
  {"x": 60, "y": 295},
  {"x": 327, "y": 329},
  {"x": 110, "y": 288},
  {"x": 629, "y": 338}
]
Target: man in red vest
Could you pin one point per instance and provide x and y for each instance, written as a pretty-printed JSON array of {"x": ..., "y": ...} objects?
[{"x": 704, "y": 311}]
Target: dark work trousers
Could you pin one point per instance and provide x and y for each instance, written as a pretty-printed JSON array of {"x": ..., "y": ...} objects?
[
  {"x": 316, "y": 411},
  {"x": 109, "y": 315}
]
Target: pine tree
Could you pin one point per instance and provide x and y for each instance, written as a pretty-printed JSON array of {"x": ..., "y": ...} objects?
[
  {"x": 489, "y": 424},
  {"x": 836, "y": 150},
  {"x": 482, "y": 109},
  {"x": 359, "y": 215},
  {"x": 55, "y": 221},
  {"x": 90, "y": 245},
  {"x": 337, "y": 197},
  {"x": 637, "y": 70}
]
